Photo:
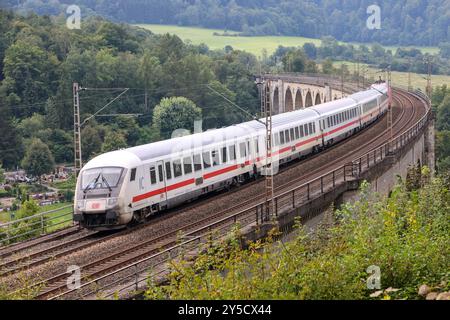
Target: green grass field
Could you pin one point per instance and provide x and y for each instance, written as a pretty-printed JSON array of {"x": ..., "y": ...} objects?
[
  {"x": 5, "y": 216},
  {"x": 253, "y": 45},
  {"x": 400, "y": 78}
]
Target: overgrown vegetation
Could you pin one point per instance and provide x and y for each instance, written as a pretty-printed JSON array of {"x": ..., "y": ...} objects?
[
  {"x": 405, "y": 235},
  {"x": 402, "y": 22},
  {"x": 441, "y": 106},
  {"x": 40, "y": 58}
]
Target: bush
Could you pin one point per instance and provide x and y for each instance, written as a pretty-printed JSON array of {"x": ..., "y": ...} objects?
[{"x": 405, "y": 235}]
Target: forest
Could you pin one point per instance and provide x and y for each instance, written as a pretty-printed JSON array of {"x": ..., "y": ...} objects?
[
  {"x": 403, "y": 22},
  {"x": 40, "y": 59}
]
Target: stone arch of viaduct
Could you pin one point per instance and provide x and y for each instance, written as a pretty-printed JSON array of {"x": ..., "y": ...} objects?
[{"x": 289, "y": 95}]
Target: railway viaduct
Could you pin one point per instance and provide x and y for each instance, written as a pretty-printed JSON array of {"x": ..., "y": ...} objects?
[{"x": 293, "y": 92}]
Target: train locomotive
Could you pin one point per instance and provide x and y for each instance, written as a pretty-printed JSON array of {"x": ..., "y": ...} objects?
[{"x": 122, "y": 187}]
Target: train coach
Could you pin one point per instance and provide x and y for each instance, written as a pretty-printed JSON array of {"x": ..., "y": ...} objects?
[{"x": 126, "y": 186}]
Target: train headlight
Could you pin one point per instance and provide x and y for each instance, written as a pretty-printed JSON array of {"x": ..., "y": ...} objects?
[
  {"x": 112, "y": 202},
  {"x": 81, "y": 204}
]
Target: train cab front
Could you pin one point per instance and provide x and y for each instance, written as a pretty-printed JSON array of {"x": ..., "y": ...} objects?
[{"x": 97, "y": 196}]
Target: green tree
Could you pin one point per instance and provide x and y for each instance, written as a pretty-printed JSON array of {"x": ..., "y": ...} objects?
[
  {"x": 149, "y": 72},
  {"x": 29, "y": 127},
  {"x": 11, "y": 146},
  {"x": 28, "y": 209},
  {"x": 38, "y": 159},
  {"x": 310, "y": 50},
  {"x": 114, "y": 141},
  {"x": 29, "y": 74},
  {"x": 51, "y": 114},
  {"x": 444, "y": 49},
  {"x": 327, "y": 67},
  {"x": 294, "y": 61},
  {"x": 2, "y": 174},
  {"x": 175, "y": 113},
  {"x": 443, "y": 150},
  {"x": 91, "y": 143},
  {"x": 443, "y": 114}
]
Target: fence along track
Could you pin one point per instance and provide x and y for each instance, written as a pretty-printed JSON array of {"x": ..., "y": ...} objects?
[
  {"x": 132, "y": 273},
  {"x": 40, "y": 221}
]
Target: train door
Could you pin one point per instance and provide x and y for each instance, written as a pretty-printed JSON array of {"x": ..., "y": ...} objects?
[
  {"x": 322, "y": 131},
  {"x": 162, "y": 182}
]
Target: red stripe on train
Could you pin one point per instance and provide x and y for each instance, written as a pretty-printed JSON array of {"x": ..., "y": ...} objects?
[{"x": 234, "y": 167}]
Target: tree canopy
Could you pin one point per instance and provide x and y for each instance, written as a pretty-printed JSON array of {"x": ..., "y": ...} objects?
[
  {"x": 38, "y": 159},
  {"x": 175, "y": 113},
  {"x": 403, "y": 22}
]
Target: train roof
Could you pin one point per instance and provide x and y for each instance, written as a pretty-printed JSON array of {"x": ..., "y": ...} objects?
[
  {"x": 333, "y": 106},
  {"x": 364, "y": 96},
  {"x": 167, "y": 147},
  {"x": 130, "y": 157}
]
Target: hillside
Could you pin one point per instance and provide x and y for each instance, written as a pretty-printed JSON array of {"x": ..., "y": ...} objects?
[{"x": 403, "y": 22}]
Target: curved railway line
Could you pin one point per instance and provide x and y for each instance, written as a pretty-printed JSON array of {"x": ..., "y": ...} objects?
[{"x": 188, "y": 219}]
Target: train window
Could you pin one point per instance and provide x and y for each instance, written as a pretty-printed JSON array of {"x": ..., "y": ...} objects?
[
  {"x": 302, "y": 132},
  {"x": 224, "y": 155},
  {"x": 292, "y": 135},
  {"x": 277, "y": 139},
  {"x": 197, "y": 162},
  {"x": 215, "y": 157},
  {"x": 206, "y": 160},
  {"x": 297, "y": 133},
  {"x": 177, "y": 171},
  {"x": 310, "y": 128},
  {"x": 257, "y": 146},
  {"x": 328, "y": 122},
  {"x": 286, "y": 136},
  {"x": 232, "y": 150},
  {"x": 187, "y": 165},
  {"x": 160, "y": 173},
  {"x": 152, "y": 175},
  {"x": 242, "y": 150},
  {"x": 133, "y": 174},
  {"x": 282, "y": 137},
  {"x": 306, "y": 130},
  {"x": 314, "y": 127},
  {"x": 168, "y": 171}
]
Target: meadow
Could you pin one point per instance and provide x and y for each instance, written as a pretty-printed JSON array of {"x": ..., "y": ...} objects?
[
  {"x": 418, "y": 81},
  {"x": 254, "y": 45}
]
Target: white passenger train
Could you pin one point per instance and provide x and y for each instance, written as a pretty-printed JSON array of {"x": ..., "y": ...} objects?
[{"x": 128, "y": 185}]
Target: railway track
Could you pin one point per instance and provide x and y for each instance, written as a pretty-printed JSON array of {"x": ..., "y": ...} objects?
[{"x": 169, "y": 238}]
